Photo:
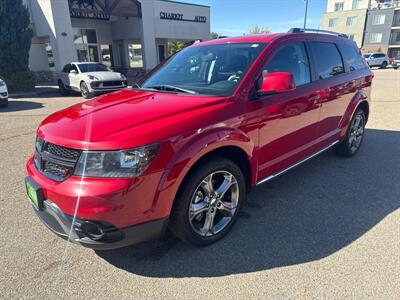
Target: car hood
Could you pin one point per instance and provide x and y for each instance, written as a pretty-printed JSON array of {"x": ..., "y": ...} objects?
[
  {"x": 103, "y": 76},
  {"x": 127, "y": 119}
]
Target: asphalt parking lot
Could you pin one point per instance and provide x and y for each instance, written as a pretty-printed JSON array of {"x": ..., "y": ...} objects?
[{"x": 328, "y": 229}]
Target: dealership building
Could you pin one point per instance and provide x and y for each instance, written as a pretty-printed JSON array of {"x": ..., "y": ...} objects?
[{"x": 124, "y": 34}]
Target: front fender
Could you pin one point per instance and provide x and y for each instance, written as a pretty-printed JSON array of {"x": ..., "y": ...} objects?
[{"x": 196, "y": 147}]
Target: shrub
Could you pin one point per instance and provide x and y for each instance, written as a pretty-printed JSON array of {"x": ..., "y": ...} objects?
[
  {"x": 20, "y": 81},
  {"x": 15, "y": 42}
]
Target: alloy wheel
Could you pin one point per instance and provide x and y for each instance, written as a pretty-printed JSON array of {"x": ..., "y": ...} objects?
[
  {"x": 356, "y": 133},
  {"x": 214, "y": 203}
]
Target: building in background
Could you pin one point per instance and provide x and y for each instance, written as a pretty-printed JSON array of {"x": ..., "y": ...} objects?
[
  {"x": 373, "y": 24},
  {"x": 382, "y": 32},
  {"x": 346, "y": 16},
  {"x": 124, "y": 34}
]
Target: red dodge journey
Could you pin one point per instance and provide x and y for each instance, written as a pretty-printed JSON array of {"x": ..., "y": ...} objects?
[{"x": 183, "y": 148}]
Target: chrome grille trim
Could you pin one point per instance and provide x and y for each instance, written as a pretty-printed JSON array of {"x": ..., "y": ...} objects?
[{"x": 55, "y": 162}]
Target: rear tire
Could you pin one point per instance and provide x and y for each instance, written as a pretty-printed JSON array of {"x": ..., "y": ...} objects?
[
  {"x": 384, "y": 65},
  {"x": 352, "y": 142},
  {"x": 202, "y": 213}
]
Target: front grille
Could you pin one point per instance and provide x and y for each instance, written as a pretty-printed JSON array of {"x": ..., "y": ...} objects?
[
  {"x": 112, "y": 83},
  {"x": 62, "y": 151},
  {"x": 55, "y": 162}
]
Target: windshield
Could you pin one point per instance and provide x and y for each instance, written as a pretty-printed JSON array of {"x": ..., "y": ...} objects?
[
  {"x": 367, "y": 55},
  {"x": 85, "y": 68},
  {"x": 208, "y": 70}
]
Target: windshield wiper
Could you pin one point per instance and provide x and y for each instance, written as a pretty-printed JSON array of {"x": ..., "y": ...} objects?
[{"x": 166, "y": 87}]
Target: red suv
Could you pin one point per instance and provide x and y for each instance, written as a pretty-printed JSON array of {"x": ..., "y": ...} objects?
[{"x": 182, "y": 149}]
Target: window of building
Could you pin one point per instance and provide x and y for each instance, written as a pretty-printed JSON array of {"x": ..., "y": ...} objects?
[
  {"x": 378, "y": 19},
  {"x": 333, "y": 22},
  {"x": 351, "y": 21},
  {"x": 291, "y": 58},
  {"x": 352, "y": 57},
  {"x": 328, "y": 60},
  {"x": 375, "y": 37},
  {"x": 107, "y": 55},
  {"x": 339, "y": 6},
  {"x": 357, "y": 4},
  {"x": 135, "y": 55},
  {"x": 85, "y": 41},
  {"x": 397, "y": 38}
]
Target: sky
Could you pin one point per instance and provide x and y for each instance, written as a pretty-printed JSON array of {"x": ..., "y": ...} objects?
[{"x": 236, "y": 17}]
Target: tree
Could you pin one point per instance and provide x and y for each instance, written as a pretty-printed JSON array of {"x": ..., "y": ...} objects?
[
  {"x": 176, "y": 46},
  {"x": 259, "y": 30},
  {"x": 15, "y": 42},
  {"x": 214, "y": 35}
]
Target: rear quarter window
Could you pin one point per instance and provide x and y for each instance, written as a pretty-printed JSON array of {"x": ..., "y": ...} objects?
[
  {"x": 328, "y": 61},
  {"x": 352, "y": 58}
]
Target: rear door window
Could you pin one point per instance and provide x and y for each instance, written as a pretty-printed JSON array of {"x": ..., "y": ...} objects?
[
  {"x": 328, "y": 62},
  {"x": 352, "y": 57}
]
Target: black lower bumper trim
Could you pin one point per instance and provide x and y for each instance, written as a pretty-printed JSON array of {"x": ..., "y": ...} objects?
[{"x": 69, "y": 229}]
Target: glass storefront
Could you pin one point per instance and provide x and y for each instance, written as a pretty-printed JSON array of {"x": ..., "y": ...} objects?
[
  {"x": 85, "y": 41},
  {"x": 135, "y": 55}
]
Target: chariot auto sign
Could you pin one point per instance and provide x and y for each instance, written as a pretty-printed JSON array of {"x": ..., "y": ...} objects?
[
  {"x": 180, "y": 17},
  {"x": 88, "y": 9}
]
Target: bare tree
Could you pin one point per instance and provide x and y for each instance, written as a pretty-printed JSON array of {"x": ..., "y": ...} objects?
[{"x": 259, "y": 30}]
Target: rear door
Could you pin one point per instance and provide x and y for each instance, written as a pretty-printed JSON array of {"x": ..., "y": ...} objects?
[
  {"x": 336, "y": 86},
  {"x": 289, "y": 127}
]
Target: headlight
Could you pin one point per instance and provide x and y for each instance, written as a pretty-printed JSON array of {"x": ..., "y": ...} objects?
[
  {"x": 91, "y": 77},
  {"x": 114, "y": 164}
]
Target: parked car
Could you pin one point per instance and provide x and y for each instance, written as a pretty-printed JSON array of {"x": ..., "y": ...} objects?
[
  {"x": 184, "y": 148},
  {"x": 3, "y": 93},
  {"x": 377, "y": 59},
  {"x": 396, "y": 62},
  {"x": 90, "y": 78}
]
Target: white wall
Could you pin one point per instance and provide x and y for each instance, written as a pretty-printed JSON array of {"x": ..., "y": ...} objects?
[
  {"x": 348, "y": 5},
  {"x": 103, "y": 29},
  {"x": 123, "y": 29},
  {"x": 51, "y": 19},
  {"x": 38, "y": 58},
  {"x": 155, "y": 27},
  {"x": 173, "y": 29}
]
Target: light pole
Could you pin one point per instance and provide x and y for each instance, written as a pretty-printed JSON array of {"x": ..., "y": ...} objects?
[{"x": 305, "y": 15}]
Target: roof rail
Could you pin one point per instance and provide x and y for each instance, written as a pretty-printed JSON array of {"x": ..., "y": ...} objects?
[{"x": 294, "y": 30}]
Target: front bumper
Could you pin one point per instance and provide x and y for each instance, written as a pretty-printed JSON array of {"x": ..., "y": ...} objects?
[{"x": 97, "y": 235}]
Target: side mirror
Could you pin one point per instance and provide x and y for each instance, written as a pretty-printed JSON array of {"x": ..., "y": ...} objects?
[
  {"x": 73, "y": 72},
  {"x": 278, "y": 82}
]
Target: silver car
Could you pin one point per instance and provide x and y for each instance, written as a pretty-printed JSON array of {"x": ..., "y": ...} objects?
[
  {"x": 396, "y": 62},
  {"x": 3, "y": 94},
  {"x": 377, "y": 59}
]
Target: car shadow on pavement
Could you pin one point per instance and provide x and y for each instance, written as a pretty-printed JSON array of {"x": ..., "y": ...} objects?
[
  {"x": 305, "y": 215},
  {"x": 19, "y": 105}
]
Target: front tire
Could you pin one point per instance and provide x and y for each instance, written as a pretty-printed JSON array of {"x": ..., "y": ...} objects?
[
  {"x": 85, "y": 91},
  {"x": 350, "y": 145},
  {"x": 208, "y": 203},
  {"x": 384, "y": 65}
]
